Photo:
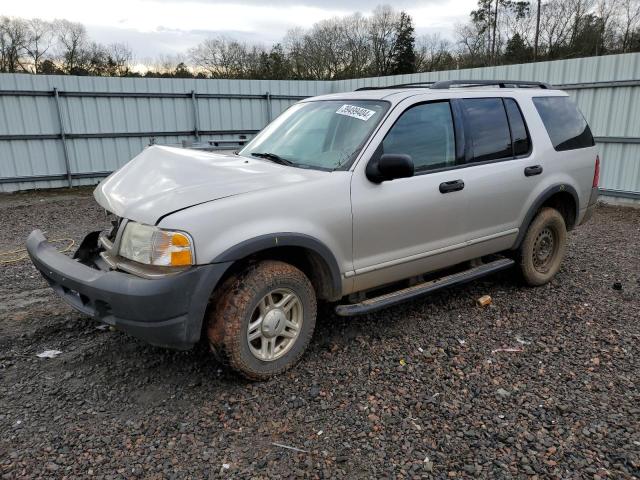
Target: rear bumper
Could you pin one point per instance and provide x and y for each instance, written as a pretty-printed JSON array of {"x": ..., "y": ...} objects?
[
  {"x": 591, "y": 206},
  {"x": 167, "y": 311}
]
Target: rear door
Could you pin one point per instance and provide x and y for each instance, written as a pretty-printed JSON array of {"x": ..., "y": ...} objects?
[{"x": 501, "y": 172}]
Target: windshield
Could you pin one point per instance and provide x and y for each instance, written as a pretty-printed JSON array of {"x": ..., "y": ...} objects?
[{"x": 325, "y": 134}]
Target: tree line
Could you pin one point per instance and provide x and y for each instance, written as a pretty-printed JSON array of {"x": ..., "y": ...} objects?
[
  {"x": 498, "y": 32},
  {"x": 58, "y": 47}
]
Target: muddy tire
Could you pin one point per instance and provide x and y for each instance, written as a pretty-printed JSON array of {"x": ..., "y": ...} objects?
[
  {"x": 543, "y": 247},
  {"x": 261, "y": 320}
]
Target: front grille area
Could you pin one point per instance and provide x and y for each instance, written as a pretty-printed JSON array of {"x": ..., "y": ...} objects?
[{"x": 115, "y": 225}]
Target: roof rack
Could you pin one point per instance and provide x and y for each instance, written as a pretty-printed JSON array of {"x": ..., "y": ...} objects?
[
  {"x": 481, "y": 83},
  {"x": 446, "y": 84},
  {"x": 401, "y": 85}
]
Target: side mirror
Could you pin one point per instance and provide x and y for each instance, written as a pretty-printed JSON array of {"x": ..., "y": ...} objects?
[{"x": 389, "y": 167}]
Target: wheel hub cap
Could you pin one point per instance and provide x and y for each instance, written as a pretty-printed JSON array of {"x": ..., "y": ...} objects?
[
  {"x": 543, "y": 250},
  {"x": 273, "y": 323}
]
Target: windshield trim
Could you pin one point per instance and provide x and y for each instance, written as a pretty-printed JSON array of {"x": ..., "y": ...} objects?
[{"x": 354, "y": 156}]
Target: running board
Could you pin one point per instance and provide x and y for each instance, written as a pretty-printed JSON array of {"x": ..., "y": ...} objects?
[{"x": 410, "y": 293}]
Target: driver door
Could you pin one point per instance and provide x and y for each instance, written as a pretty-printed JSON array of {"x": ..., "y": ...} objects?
[{"x": 405, "y": 227}]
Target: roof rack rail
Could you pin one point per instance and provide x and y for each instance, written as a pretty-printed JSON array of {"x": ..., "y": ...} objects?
[
  {"x": 401, "y": 85},
  {"x": 445, "y": 84}
]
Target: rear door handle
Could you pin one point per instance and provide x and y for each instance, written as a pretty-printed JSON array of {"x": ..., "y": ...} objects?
[
  {"x": 533, "y": 170},
  {"x": 452, "y": 186}
]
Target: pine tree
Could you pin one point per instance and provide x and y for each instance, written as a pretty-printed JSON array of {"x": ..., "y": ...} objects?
[
  {"x": 517, "y": 50},
  {"x": 404, "y": 56}
]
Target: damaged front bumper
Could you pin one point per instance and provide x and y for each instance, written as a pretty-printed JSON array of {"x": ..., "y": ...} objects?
[{"x": 166, "y": 311}]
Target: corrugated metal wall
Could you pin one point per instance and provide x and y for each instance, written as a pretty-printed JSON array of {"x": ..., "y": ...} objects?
[{"x": 109, "y": 120}]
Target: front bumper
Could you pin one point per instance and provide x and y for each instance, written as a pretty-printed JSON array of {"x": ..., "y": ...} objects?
[{"x": 167, "y": 311}]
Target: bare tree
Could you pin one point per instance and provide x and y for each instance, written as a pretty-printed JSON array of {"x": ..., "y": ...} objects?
[
  {"x": 629, "y": 20},
  {"x": 517, "y": 18},
  {"x": 332, "y": 48},
  {"x": 72, "y": 44},
  {"x": 324, "y": 47},
  {"x": 433, "y": 53},
  {"x": 356, "y": 44},
  {"x": 293, "y": 44},
  {"x": 166, "y": 64},
  {"x": 224, "y": 57},
  {"x": 605, "y": 9},
  {"x": 121, "y": 57},
  {"x": 383, "y": 36},
  {"x": 40, "y": 37},
  {"x": 472, "y": 42},
  {"x": 13, "y": 42},
  {"x": 579, "y": 10},
  {"x": 555, "y": 26}
]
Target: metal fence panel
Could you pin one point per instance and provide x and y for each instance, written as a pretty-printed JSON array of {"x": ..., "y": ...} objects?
[{"x": 107, "y": 121}]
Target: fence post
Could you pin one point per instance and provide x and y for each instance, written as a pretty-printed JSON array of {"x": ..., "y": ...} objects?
[
  {"x": 196, "y": 115},
  {"x": 269, "y": 111},
  {"x": 63, "y": 137}
]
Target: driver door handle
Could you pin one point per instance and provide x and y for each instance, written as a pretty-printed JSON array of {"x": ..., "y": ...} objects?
[{"x": 452, "y": 186}]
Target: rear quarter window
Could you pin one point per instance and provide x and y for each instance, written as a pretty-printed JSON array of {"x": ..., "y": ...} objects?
[{"x": 567, "y": 128}]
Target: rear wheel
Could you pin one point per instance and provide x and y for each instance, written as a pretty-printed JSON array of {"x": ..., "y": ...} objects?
[
  {"x": 543, "y": 247},
  {"x": 262, "y": 319}
]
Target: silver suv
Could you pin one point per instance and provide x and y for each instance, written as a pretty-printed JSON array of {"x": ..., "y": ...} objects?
[{"x": 367, "y": 199}]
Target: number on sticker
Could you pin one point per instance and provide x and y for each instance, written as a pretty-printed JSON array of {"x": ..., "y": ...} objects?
[{"x": 360, "y": 113}]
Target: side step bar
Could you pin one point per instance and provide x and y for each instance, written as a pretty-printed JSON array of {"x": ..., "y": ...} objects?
[{"x": 410, "y": 293}]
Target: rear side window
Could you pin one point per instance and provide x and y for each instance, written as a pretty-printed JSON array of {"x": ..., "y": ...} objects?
[
  {"x": 567, "y": 128},
  {"x": 519, "y": 133},
  {"x": 488, "y": 127},
  {"x": 426, "y": 133}
]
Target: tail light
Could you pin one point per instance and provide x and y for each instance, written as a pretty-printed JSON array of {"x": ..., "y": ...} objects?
[{"x": 596, "y": 173}]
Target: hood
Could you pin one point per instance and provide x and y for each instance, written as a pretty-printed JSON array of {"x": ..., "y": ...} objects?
[{"x": 162, "y": 180}]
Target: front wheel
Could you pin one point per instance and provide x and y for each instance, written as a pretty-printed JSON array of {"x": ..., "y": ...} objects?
[
  {"x": 262, "y": 319},
  {"x": 543, "y": 247}
]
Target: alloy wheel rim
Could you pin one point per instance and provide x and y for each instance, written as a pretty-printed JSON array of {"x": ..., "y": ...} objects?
[{"x": 275, "y": 324}]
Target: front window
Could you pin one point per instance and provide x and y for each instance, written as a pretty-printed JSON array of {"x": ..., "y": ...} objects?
[
  {"x": 426, "y": 133},
  {"x": 324, "y": 135}
]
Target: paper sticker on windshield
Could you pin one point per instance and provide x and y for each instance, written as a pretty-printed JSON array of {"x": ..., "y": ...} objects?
[{"x": 356, "y": 112}]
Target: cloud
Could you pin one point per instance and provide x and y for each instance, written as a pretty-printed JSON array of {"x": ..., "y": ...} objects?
[
  {"x": 352, "y": 5},
  {"x": 147, "y": 46},
  {"x": 157, "y": 27}
]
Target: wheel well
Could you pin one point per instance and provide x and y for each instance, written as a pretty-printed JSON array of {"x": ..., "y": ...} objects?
[
  {"x": 564, "y": 203},
  {"x": 306, "y": 260}
]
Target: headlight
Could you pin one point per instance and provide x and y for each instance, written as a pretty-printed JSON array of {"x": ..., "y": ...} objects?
[{"x": 153, "y": 246}]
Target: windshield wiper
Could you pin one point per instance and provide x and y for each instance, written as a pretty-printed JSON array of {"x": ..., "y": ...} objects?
[{"x": 274, "y": 158}]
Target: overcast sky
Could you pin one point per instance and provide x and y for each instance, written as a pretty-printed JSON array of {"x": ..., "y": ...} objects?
[{"x": 154, "y": 27}]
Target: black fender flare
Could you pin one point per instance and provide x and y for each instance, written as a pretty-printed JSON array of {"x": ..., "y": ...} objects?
[
  {"x": 280, "y": 240},
  {"x": 543, "y": 197}
]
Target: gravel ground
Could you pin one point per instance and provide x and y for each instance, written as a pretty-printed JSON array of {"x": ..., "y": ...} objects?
[{"x": 417, "y": 391}]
